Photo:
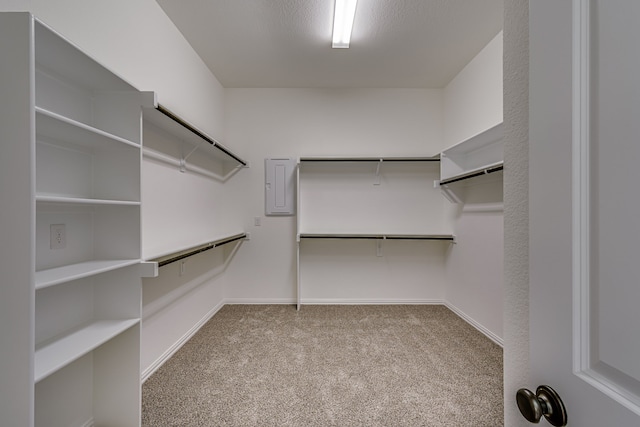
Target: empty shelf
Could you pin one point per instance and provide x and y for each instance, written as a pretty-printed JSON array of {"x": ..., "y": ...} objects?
[
  {"x": 57, "y": 354},
  {"x": 54, "y": 276},
  {"x": 84, "y": 201},
  {"x": 60, "y": 128}
]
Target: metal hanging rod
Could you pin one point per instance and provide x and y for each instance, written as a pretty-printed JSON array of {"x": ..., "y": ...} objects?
[
  {"x": 445, "y": 237},
  {"x": 369, "y": 159},
  {"x": 195, "y": 131},
  {"x": 177, "y": 256},
  {"x": 486, "y": 171}
]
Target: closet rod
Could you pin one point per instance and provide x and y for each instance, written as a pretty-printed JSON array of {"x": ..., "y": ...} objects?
[
  {"x": 369, "y": 159},
  {"x": 379, "y": 236},
  {"x": 472, "y": 174},
  {"x": 162, "y": 261},
  {"x": 190, "y": 128}
]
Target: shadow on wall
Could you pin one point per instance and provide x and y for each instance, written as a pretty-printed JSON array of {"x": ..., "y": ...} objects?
[{"x": 177, "y": 279}]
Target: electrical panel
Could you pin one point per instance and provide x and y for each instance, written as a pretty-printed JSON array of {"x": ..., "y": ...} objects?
[{"x": 280, "y": 186}]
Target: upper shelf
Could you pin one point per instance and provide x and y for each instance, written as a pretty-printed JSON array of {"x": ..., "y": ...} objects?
[
  {"x": 53, "y": 356},
  {"x": 485, "y": 170},
  {"x": 71, "y": 132},
  {"x": 184, "y": 131},
  {"x": 472, "y": 157},
  {"x": 55, "y": 54}
]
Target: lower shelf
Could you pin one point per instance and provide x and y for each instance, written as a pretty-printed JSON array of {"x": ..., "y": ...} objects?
[{"x": 57, "y": 354}]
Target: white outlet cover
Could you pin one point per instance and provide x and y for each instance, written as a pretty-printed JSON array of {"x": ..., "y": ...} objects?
[{"x": 58, "y": 239}]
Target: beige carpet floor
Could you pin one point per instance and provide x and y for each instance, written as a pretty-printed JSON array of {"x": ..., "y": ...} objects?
[{"x": 270, "y": 365}]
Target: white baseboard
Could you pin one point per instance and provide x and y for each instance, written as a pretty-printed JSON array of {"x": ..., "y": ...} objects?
[
  {"x": 181, "y": 341},
  {"x": 493, "y": 337},
  {"x": 340, "y": 301},
  {"x": 259, "y": 301}
]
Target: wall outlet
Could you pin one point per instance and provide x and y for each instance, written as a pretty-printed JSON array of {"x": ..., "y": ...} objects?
[
  {"x": 58, "y": 238},
  {"x": 257, "y": 221}
]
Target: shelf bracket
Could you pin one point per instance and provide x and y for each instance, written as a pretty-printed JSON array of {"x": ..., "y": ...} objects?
[
  {"x": 377, "y": 179},
  {"x": 450, "y": 195},
  {"x": 379, "y": 246},
  {"x": 148, "y": 269},
  {"x": 183, "y": 160},
  {"x": 447, "y": 192}
]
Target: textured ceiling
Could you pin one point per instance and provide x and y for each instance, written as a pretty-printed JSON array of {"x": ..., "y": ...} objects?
[{"x": 287, "y": 43}]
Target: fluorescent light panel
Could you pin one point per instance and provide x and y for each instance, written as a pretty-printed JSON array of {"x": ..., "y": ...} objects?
[{"x": 344, "y": 13}]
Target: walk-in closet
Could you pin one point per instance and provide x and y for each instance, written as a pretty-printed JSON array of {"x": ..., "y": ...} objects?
[{"x": 147, "y": 194}]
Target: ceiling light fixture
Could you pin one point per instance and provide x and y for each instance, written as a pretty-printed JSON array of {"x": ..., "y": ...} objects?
[{"x": 344, "y": 13}]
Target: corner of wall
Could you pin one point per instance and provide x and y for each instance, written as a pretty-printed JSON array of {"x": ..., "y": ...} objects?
[{"x": 473, "y": 103}]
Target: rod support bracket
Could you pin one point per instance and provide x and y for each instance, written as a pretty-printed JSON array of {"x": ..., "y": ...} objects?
[{"x": 377, "y": 178}]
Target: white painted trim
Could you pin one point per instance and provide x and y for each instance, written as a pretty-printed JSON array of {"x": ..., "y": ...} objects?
[
  {"x": 580, "y": 187},
  {"x": 341, "y": 301},
  {"x": 611, "y": 388},
  {"x": 182, "y": 341},
  {"x": 585, "y": 359},
  {"x": 483, "y": 207},
  {"x": 260, "y": 301},
  {"x": 493, "y": 337}
]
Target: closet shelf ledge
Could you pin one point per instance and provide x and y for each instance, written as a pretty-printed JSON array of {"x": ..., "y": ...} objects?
[
  {"x": 377, "y": 236},
  {"x": 178, "y": 254}
]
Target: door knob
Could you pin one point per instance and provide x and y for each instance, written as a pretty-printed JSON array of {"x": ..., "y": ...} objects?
[{"x": 545, "y": 402}]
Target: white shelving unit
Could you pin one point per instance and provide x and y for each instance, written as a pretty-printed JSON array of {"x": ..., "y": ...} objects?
[
  {"x": 477, "y": 156},
  {"x": 368, "y": 198},
  {"x": 84, "y": 136}
]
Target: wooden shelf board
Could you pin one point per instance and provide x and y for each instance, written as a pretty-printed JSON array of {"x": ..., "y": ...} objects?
[
  {"x": 55, "y": 276},
  {"x": 60, "y": 128},
  {"x": 487, "y": 137},
  {"x": 57, "y": 354},
  {"x": 83, "y": 201},
  {"x": 55, "y": 52}
]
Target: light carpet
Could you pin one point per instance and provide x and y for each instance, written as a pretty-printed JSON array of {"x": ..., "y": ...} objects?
[{"x": 385, "y": 365}]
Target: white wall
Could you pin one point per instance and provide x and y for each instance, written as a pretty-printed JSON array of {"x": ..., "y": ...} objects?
[
  {"x": 301, "y": 122},
  {"x": 474, "y": 266},
  {"x": 473, "y": 99},
  {"x": 136, "y": 40}
]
